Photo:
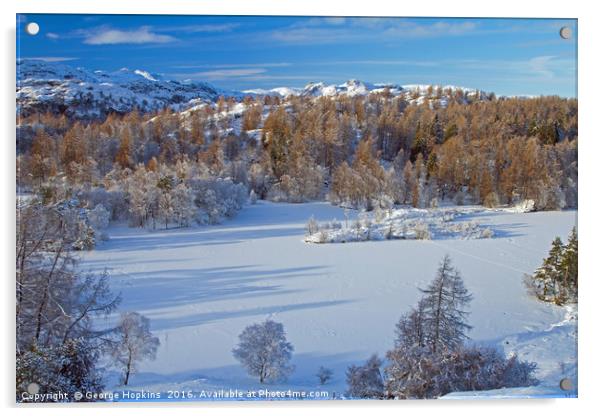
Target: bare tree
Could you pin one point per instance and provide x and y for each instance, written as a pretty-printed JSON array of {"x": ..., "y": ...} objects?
[
  {"x": 54, "y": 301},
  {"x": 324, "y": 375},
  {"x": 264, "y": 351},
  {"x": 134, "y": 342}
]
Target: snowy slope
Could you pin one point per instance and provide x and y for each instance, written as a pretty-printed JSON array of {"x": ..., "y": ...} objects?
[
  {"x": 338, "y": 302},
  {"x": 81, "y": 93},
  {"x": 45, "y": 86},
  {"x": 413, "y": 93}
]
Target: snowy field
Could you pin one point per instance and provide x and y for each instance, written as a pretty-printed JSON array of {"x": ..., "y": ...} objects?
[{"x": 339, "y": 303}]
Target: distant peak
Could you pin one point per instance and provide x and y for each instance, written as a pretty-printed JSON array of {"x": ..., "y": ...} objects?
[{"x": 145, "y": 74}]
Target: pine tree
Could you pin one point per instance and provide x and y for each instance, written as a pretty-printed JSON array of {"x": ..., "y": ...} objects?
[
  {"x": 570, "y": 265},
  {"x": 549, "y": 276},
  {"x": 444, "y": 317},
  {"x": 556, "y": 279}
]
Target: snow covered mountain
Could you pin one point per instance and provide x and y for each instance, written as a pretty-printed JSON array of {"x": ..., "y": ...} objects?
[
  {"x": 354, "y": 88},
  {"x": 81, "y": 93},
  {"x": 43, "y": 86}
]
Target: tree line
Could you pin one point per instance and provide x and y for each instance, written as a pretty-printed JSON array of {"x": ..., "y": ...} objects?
[{"x": 360, "y": 152}]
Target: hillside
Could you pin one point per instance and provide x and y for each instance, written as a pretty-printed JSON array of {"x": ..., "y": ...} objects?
[
  {"x": 81, "y": 93},
  {"x": 86, "y": 94}
]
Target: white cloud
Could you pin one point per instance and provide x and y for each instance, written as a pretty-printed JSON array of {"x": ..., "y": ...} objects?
[
  {"x": 540, "y": 66},
  {"x": 408, "y": 29},
  {"x": 334, "y": 30},
  {"x": 240, "y": 65},
  {"x": 51, "y": 58},
  {"x": 305, "y": 35},
  {"x": 537, "y": 68},
  {"x": 377, "y": 62},
  {"x": 226, "y": 73},
  {"x": 320, "y": 21},
  {"x": 218, "y": 28},
  {"x": 108, "y": 36},
  {"x": 51, "y": 35}
]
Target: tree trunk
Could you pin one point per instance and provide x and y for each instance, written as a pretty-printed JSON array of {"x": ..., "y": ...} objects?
[
  {"x": 128, "y": 369},
  {"x": 438, "y": 317}
]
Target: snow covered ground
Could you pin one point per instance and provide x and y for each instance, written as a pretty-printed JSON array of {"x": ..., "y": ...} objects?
[
  {"x": 401, "y": 224},
  {"x": 339, "y": 303}
]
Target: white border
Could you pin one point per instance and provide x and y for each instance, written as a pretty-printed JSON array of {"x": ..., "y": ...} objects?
[{"x": 589, "y": 192}]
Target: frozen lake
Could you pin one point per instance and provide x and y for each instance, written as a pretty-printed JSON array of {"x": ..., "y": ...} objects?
[{"x": 339, "y": 303}]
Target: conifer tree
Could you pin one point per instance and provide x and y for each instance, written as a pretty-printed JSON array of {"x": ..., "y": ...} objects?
[
  {"x": 556, "y": 279},
  {"x": 197, "y": 129},
  {"x": 42, "y": 165},
  {"x": 124, "y": 153},
  {"x": 570, "y": 266},
  {"x": 276, "y": 140},
  {"x": 548, "y": 277},
  {"x": 444, "y": 318}
]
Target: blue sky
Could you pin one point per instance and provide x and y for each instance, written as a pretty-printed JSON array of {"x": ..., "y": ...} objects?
[{"x": 506, "y": 56}]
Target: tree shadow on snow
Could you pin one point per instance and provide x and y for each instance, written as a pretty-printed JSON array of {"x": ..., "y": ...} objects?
[{"x": 170, "y": 289}]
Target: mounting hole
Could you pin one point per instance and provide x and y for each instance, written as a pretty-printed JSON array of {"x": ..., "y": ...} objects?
[
  {"x": 566, "y": 32},
  {"x": 33, "y": 388},
  {"x": 566, "y": 384},
  {"x": 32, "y": 28}
]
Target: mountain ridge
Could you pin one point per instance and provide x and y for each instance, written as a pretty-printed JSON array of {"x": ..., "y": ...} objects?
[{"x": 82, "y": 93}]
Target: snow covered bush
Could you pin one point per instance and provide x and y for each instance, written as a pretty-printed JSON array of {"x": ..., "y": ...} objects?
[
  {"x": 411, "y": 372},
  {"x": 323, "y": 236},
  {"x": 259, "y": 180},
  {"x": 417, "y": 373},
  {"x": 99, "y": 217},
  {"x": 487, "y": 233},
  {"x": 434, "y": 203},
  {"x": 66, "y": 368},
  {"x": 366, "y": 381},
  {"x": 183, "y": 208},
  {"x": 401, "y": 223},
  {"x": 217, "y": 199},
  {"x": 264, "y": 351},
  {"x": 312, "y": 226},
  {"x": 114, "y": 201},
  {"x": 527, "y": 205},
  {"x": 421, "y": 231},
  {"x": 324, "y": 375},
  {"x": 492, "y": 200},
  {"x": 430, "y": 358},
  {"x": 459, "y": 198},
  {"x": 304, "y": 183},
  {"x": 253, "y": 197}
]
